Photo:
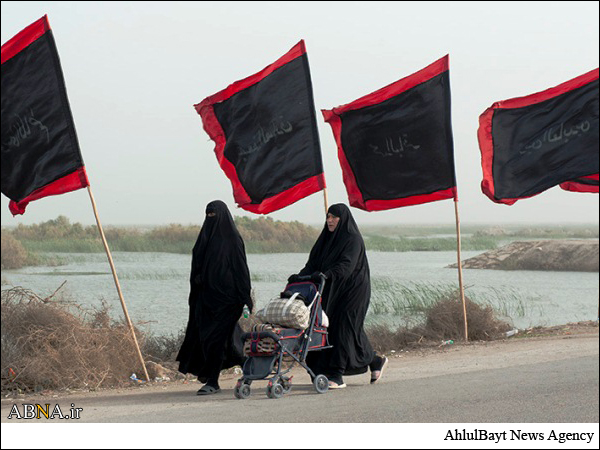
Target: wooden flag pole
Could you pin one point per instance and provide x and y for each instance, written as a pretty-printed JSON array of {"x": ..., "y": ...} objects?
[
  {"x": 114, "y": 272},
  {"x": 460, "y": 273},
  {"x": 326, "y": 201}
]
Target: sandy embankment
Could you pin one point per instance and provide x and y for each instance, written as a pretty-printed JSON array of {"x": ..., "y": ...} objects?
[{"x": 553, "y": 255}]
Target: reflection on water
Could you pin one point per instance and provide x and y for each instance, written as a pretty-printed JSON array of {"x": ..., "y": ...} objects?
[{"x": 155, "y": 285}]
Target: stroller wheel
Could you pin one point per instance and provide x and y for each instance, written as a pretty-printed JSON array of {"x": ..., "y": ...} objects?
[
  {"x": 287, "y": 384},
  {"x": 242, "y": 391},
  {"x": 287, "y": 387},
  {"x": 275, "y": 390},
  {"x": 321, "y": 384}
]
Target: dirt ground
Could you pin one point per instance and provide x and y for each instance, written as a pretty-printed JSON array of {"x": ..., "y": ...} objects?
[
  {"x": 590, "y": 326},
  {"x": 436, "y": 355}
]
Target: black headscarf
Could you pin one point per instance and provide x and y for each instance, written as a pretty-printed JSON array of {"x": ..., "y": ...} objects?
[
  {"x": 331, "y": 247},
  {"x": 219, "y": 258},
  {"x": 219, "y": 287},
  {"x": 342, "y": 257}
]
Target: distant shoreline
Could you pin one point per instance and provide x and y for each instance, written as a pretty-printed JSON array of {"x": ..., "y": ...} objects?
[
  {"x": 28, "y": 245},
  {"x": 553, "y": 255},
  {"x": 364, "y": 226}
]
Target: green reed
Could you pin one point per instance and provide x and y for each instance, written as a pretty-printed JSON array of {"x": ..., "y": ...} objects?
[
  {"x": 413, "y": 300},
  {"x": 395, "y": 298}
]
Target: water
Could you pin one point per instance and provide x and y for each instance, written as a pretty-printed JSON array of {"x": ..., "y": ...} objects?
[{"x": 155, "y": 285}]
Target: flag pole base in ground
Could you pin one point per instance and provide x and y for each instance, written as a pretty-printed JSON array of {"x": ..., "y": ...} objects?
[
  {"x": 460, "y": 273},
  {"x": 114, "y": 272}
]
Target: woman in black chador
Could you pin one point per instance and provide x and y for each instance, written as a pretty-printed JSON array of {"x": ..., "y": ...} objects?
[
  {"x": 220, "y": 287},
  {"x": 340, "y": 254}
]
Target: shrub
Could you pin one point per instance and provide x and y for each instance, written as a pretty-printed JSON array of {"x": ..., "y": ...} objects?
[
  {"x": 14, "y": 255},
  {"x": 49, "y": 343},
  {"x": 444, "y": 320}
]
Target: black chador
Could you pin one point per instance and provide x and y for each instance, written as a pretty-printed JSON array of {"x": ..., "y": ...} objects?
[
  {"x": 340, "y": 254},
  {"x": 219, "y": 288}
]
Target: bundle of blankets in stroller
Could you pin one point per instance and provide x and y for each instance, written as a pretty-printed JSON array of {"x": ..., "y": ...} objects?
[{"x": 288, "y": 311}]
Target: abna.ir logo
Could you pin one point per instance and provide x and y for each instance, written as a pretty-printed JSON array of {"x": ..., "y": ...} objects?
[{"x": 36, "y": 411}]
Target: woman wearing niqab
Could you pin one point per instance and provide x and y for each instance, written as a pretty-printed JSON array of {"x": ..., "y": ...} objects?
[
  {"x": 219, "y": 289},
  {"x": 340, "y": 254}
]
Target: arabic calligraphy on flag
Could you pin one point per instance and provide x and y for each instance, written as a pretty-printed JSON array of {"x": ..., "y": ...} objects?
[
  {"x": 395, "y": 145},
  {"x": 40, "y": 151},
  {"x": 530, "y": 144},
  {"x": 265, "y": 132}
]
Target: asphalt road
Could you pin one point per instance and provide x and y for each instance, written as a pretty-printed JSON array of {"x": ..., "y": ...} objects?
[{"x": 540, "y": 380}]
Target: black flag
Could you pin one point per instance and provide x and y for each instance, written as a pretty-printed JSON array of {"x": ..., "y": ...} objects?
[
  {"x": 265, "y": 132},
  {"x": 395, "y": 145},
  {"x": 530, "y": 144},
  {"x": 40, "y": 151}
]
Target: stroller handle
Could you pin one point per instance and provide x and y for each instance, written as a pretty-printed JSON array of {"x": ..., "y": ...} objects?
[{"x": 322, "y": 276}]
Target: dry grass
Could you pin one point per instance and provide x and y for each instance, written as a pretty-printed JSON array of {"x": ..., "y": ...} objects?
[
  {"x": 444, "y": 320},
  {"x": 50, "y": 343},
  {"x": 162, "y": 349},
  {"x": 53, "y": 343}
]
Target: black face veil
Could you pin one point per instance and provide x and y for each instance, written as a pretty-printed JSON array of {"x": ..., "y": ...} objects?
[
  {"x": 220, "y": 285},
  {"x": 219, "y": 256}
]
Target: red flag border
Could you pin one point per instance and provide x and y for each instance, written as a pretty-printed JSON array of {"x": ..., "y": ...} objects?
[
  {"x": 486, "y": 142},
  {"x": 71, "y": 182},
  {"x": 574, "y": 186},
  {"x": 285, "y": 198},
  {"x": 76, "y": 179},
  {"x": 212, "y": 126},
  {"x": 24, "y": 38},
  {"x": 398, "y": 87},
  {"x": 333, "y": 118},
  {"x": 380, "y": 205}
]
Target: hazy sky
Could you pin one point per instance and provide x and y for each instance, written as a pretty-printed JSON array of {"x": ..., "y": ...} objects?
[{"x": 134, "y": 70}]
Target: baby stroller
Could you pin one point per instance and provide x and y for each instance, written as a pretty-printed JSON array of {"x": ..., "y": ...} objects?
[{"x": 293, "y": 344}]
